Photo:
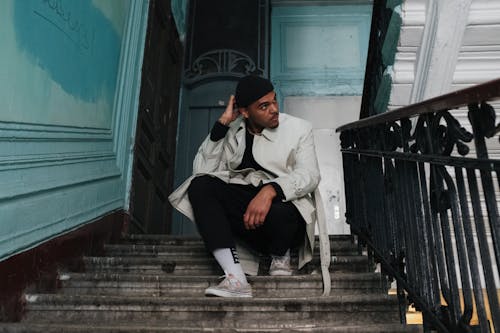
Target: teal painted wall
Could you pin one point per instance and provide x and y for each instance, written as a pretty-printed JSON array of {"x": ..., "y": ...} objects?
[
  {"x": 389, "y": 49},
  {"x": 69, "y": 84},
  {"x": 179, "y": 10},
  {"x": 71, "y": 49},
  {"x": 319, "y": 50}
]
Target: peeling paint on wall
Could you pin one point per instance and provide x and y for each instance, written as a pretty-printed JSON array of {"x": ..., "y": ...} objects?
[{"x": 73, "y": 41}]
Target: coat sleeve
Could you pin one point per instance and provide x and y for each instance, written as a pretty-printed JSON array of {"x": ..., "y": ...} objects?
[
  {"x": 304, "y": 176},
  {"x": 210, "y": 156}
]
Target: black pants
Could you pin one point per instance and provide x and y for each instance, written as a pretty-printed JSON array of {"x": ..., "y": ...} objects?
[{"x": 218, "y": 210}]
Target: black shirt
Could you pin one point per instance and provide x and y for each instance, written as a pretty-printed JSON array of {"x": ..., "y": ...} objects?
[{"x": 219, "y": 131}]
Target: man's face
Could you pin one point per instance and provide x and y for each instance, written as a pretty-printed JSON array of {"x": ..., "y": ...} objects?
[{"x": 263, "y": 113}]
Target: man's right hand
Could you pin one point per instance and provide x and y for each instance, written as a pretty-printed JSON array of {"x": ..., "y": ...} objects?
[
  {"x": 230, "y": 114},
  {"x": 259, "y": 206}
]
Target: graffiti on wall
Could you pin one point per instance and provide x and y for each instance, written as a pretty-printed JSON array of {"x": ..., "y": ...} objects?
[{"x": 73, "y": 41}]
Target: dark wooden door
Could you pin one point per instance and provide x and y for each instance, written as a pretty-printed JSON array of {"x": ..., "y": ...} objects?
[
  {"x": 154, "y": 150},
  {"x": 226, "y": 40}
]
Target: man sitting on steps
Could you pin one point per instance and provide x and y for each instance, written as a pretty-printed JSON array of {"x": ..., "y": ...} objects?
[{"x": 252, "y": 182}]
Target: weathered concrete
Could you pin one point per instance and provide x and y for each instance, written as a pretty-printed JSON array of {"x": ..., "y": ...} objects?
[
  {"x": 218, "y": 312},
  {"x": 157, "y": 286},
  {"x": 145, "y": 328},
  {"x": 204, "y": 265},
  {"x": 191, "y": 286}
]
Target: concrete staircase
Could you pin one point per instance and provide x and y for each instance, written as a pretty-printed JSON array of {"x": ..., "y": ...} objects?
[{"x": 151, "y": 283}]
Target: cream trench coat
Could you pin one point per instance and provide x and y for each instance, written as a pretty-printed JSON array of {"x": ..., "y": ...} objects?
[{"x": 287, "y": 152}]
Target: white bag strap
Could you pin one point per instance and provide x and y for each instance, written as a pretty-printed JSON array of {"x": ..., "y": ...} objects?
[{"x": 324, "y": 243}]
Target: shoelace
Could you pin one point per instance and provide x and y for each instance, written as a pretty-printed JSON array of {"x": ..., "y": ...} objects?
[{"x": 230, "y": 280}]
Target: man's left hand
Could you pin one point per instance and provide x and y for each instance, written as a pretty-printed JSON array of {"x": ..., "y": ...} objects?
[{"x": 259, "y": 207}]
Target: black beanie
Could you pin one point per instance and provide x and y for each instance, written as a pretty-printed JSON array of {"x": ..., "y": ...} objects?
[{"x": 250, "y": 88}]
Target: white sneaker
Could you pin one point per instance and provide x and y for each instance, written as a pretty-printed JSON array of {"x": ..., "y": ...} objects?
[
  {"x": 230, "y": 287},
  {"x": 280, "y": 265}
]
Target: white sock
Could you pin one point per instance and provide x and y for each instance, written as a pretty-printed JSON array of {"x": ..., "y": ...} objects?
[{"x": 230, "y": 263}]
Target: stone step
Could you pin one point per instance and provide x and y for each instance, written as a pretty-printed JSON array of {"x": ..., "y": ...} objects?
[
  {"x": 161, "y": 239},
  {"x": 206, "y": 266},
  {"x": 147, "y": 328},
  {"x": 198, "y": 249},
  {"x": 194, "y": 286},
  {"x": 155, "y": 283},
  {"x": 190, "y": 240},
  {"x": 214, "y": 311}
]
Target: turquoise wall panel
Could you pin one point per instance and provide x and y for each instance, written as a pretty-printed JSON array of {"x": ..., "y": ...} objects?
[
  {"x": 389, "y": 48},
  {"x": 319, "y": 50},
  {"x": 70, "y": 75},
  {"x": 179, "y": 10},
  {"x": 44, "y": 215},
  {"x": 59, "y": 61}
]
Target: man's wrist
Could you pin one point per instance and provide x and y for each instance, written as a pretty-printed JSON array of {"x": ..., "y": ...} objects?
[
  {"x": 279, "y": 191},
  {"x": 224, "y": 122},
  {"x": 270, "y": 191}
]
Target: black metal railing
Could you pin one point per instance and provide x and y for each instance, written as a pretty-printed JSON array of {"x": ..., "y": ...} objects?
[{"x": 428, "y": 213}]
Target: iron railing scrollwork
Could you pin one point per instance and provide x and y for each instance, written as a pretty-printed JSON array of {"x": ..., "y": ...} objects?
[
  {"x": 220, "y": 64},
  {"x": 426, "y": 209}
]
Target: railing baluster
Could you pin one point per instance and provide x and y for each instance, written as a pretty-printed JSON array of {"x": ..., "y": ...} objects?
[
  {"x": 483, "y": 247},
  {"x": 440, "y": 249},
  {"x": 462, "y": 254},
  {"x": 471, "y": 250},
  {"x": 434, "y": 298},
  {"x": 390, "y": 206},
  {"x": 479, "y": 120},
  {"x": 442, "y": 245},
  {"x": 420, "y": 245},
  {"x": 454, "y": 296},
  {"x": 374, "y": 204},
  {"x": 414, "y": 257},
  {"x": 363, "y": 174}
]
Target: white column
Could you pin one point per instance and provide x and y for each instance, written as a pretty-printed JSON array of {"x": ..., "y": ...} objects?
[{"x": 444, "y": 29}]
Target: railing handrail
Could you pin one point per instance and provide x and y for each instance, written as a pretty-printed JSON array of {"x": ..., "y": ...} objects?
[
  {"x": 482, "y": 92},
  {"x": 425, "y": 214}
]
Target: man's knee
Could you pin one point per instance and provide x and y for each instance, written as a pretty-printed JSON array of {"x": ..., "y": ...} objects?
[
  {"x": 283, "y": 214},
  {"x": 200, "y": 184},
  {"x": 204, "y": 186}
]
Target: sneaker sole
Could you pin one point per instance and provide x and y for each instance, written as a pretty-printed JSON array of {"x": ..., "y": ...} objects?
[
  {"x": 225, "y": 293},
  {"x": 280, "y": 273}
]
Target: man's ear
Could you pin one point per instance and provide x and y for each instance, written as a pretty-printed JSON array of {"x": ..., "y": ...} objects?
[{"x": 244, "y": 112}]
